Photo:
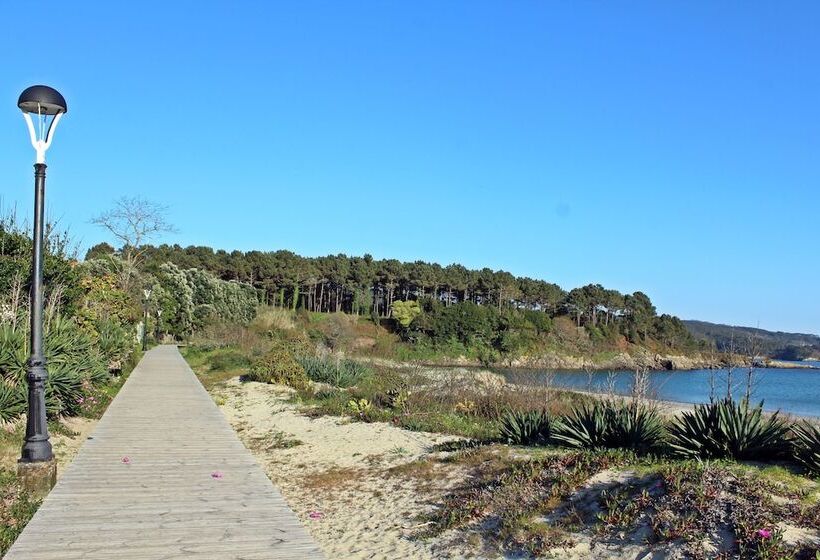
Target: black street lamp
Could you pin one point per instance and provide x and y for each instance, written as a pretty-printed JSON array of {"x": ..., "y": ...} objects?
[
  {"x": 37, "y": 465},
  {"x": 147, "y": 293}
]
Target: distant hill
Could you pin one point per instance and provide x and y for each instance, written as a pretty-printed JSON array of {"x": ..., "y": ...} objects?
[{"x": 778, "y": 345}]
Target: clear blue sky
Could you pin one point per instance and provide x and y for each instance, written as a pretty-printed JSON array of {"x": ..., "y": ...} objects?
[{"x": 667, "y": 147}]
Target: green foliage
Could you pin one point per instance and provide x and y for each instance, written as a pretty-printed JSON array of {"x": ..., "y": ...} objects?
[
  {"x": 229, "y": 359},
  {"x": 728, "y": 429},
  {"x": 509, "y": 315},
  {"x": 16, "y": 509},
  {"x": 360, "y": 407},
  {"x": 279, "y": 365},
  {"x": 405, "y": 312},
  {"x": 339, "y": 373},
  {"x": 12, "y": 401},
  {"x": 611, "y": 425},
  {"x": 68, "y": 348},
  {"x": 806, "y": 445},
  {"x": 527, "y": 427},
  {"x": 61, "y": 278},
  {"x": 74, "y": 367},
  {"x": 114, "y": 342}
]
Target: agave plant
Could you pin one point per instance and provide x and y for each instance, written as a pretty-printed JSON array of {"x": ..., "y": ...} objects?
[
  {"x": 612, "y": 425},
  {"x": 637, "y": 426},
  {"x": 526, "y": 427},
  {"x": 728, "y": 429},
  {"x": 806, "y": 446},
  {"x": 13, "y": 354},
  {"x": 65, "y": 388},
  {"x": 66, "y": 345},
  {"x": 584, "y": 428},
  {"x": 74, "y": 365},
  {"x": 344, "y": 373},
  {"x": 12, "y": 401}
]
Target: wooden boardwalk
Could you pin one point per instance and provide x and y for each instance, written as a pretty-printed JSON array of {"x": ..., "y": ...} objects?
[{"x": 164, "y": 476}]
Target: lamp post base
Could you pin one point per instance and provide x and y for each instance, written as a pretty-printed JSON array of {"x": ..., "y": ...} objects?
[{"x": 38, "y": 478}]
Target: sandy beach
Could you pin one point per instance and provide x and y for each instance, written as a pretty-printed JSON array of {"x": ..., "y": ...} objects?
[
  {"x": 336, "y": 474},
  {"x": 353, "y": 486}
]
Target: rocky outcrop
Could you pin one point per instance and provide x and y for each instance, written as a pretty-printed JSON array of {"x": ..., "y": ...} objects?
[{"x": 622, "y": 360}]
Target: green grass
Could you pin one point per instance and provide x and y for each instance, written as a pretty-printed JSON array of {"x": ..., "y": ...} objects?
[{"x": 215, "y": 365}]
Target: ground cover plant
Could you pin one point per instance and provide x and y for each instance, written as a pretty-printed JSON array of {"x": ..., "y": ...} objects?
[{"x": 517, "y": 498}]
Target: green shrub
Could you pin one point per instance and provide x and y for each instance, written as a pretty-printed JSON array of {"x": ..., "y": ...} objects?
[
  {"x": 279, "y": 366},
  {"x": 611, "y": 425},
  {"x": 526, "y": 427},
  {"x": 13, "y": 353},
  {"x": 74, "y": 366},
  {"x": 114, "y": 342},
  {"x": 67, "y": 346},
  {"x": 65, "y": 391},
  {"x": 344, "y": 373},
  {"x": 727, "y": 429},
  {"x": 806, "y": 446},
  {"x": 12, "y": 401},
  {"x": 229, "y": 359}
]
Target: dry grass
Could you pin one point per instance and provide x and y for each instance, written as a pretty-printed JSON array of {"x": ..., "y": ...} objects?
[
  {"x": 335, "y": 479},
  {"x": 273, "y": 318}
]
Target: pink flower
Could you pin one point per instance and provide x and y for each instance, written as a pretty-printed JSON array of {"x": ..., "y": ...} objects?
[
  {"x": 216, "y": 474},
  {"x": 126, "y": 460},
  {"x": 316, "y": 515},
  {"x": 80, "y": 400},
  {"x": 764, "y": 533}
]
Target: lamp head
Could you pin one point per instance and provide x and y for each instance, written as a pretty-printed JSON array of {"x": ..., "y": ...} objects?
[
  {"x": 45, "y": 105},
  {"x": 42, "y": 100}
]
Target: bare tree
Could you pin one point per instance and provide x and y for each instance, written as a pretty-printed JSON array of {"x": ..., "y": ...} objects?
[
  {"x": 134, "y": 221},
  {"x": 754, "y": 352}
]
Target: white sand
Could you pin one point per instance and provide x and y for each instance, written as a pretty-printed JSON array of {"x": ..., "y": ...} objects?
[{"x": 339, "y": 473}]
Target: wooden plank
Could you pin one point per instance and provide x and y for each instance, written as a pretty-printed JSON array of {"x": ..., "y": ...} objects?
[{"x": 164, "y": 502}]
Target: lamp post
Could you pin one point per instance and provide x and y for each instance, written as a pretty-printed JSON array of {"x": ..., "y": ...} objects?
[
  {"x": 147, "y": 293},
  {"x": 158, "y": 325},
  {"x": 42, "y": 107}
]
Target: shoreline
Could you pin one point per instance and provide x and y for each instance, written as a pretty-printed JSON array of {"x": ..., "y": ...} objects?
[
  {"x": 676, "y": 407},
  {"x": 565, "y": 363}
]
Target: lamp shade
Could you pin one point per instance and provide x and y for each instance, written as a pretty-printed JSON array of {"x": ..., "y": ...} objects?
[{"x": 43, "y": 100}]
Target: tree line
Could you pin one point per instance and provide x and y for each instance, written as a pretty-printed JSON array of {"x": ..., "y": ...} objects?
[{"x": 363, "y": 285}]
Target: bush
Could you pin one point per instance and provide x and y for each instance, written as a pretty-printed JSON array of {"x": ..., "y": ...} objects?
[
  {"x": 12, "y": 401},
  {"x": 727, "y": 429},
  {"x": 73, "y": 362},
  {"x": 611, "y": 425},
  {"x": 527, "y": 427},
  {"x": 115, "y": 343},
  {"x": 344, "y": 373},
  {"x": 806, "y": 446},
  {"x": 229, "y": 359},
  {"x": 279, "y": 366}
]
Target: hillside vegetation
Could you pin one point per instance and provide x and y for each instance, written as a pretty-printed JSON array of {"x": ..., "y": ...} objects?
[
  {"x": 449, "y": 312},
  {"x": 778, "y": 345}
]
